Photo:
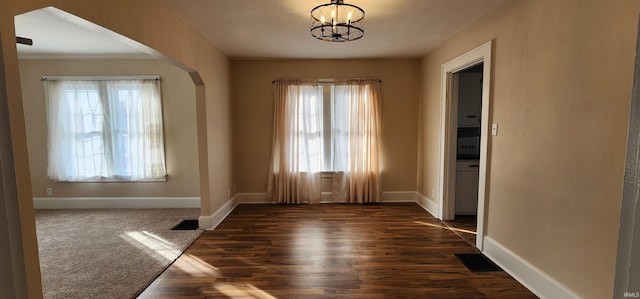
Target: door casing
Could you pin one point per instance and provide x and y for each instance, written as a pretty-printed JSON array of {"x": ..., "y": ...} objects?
[{"x": 448, "y": 134}]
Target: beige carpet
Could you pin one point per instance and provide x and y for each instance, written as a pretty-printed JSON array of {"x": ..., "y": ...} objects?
[{"x": 112, "y": 253}]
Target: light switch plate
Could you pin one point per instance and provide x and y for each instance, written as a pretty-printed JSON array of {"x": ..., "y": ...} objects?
[{"x": 494, "y": 129}]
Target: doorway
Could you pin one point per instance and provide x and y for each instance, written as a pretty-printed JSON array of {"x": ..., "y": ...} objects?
[
  {"x": 467, "y": 101},
  {"x": 479, "y": 129}
]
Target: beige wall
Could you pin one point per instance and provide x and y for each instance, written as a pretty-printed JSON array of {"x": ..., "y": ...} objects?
[
  {"x": 561, "y": 90},
  {"x": 179, "y": 111},
  {"x": 253, "y": 113},
  {"x": 171, "y": 37}
]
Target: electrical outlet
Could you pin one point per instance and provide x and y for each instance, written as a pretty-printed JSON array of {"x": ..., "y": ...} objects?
[
  {"x": 229, "y": 193},
  {"x": 49, "y": 191}
]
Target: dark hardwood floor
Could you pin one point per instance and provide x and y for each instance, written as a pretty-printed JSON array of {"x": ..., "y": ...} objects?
[
  {"x": 329, "y": 251},
  {"x": 464, "y": 226}
]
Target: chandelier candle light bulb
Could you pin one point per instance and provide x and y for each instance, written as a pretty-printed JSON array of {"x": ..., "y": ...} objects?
[{"x": 346, "y": 24}]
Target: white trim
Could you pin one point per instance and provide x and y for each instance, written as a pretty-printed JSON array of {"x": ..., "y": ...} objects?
[
  {"x": 534, "y": 279},
  {"x": 446, "y": 167},
  {"x": 115, "y": 202},
  {"x": 212, "y": 221},
  {"x": 430, "y": 205}
]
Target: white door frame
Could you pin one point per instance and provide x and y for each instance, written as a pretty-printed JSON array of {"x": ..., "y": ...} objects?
[{"x": 448, "y": 126}]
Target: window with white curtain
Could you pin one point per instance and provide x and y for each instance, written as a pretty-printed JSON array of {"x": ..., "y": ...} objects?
[
  {"x": 105, "y": 129},
  {"x": 326, "y": 128},
  {"x": 324, "y": 119},
  {"x": 309, "y": 129}
]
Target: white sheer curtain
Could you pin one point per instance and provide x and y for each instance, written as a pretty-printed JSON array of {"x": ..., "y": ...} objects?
[
  {"x": 357, "y": 136},
  {"x": 105, "y": 129},
  {"x": 136, "y": 127},
  {"x": 296, "y": 164}
]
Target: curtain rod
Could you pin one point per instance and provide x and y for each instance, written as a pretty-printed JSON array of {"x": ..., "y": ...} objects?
[
  {"x": 333, "y": 80},
  {"x": 99, "y": 78}
]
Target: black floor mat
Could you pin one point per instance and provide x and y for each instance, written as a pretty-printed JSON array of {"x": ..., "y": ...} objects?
[
  {"x": 477, "y": 262},
  {"x": 186, "y": 225}
]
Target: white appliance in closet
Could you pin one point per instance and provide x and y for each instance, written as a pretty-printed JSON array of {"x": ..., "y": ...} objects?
[{"x": 467, "y": 187}]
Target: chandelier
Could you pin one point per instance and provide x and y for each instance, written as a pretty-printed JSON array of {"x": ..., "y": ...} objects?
[{"x": 337, "y": 22}]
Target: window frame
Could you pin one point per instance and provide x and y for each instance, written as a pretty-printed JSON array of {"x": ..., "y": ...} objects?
[
  {"x": 115, "y": 178},
  {"x": 327, "y": 126}
]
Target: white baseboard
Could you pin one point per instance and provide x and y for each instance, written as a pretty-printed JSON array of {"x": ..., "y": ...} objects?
[
  {"x": 531, "y": 277},
  {"x": 428, "y": 204},
  {"x": 115, "y": 202},
  {"x": 212, "y": 221}
]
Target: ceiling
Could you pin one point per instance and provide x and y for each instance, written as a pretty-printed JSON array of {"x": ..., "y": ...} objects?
[
  {"x": 264, "y": 29},
  {"x": 57, "y": 34}
]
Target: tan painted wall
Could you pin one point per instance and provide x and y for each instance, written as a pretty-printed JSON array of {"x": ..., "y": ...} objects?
[
  {"x": 561, "y": 90},
  {"x": 253, "y": 113},
  {"x": 179, "y": 111},
  {"x": 152, "y": 24}
]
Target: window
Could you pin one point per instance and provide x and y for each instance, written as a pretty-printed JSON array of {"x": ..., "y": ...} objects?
[
  {"x": 309, "y": 128},
  {"x": 333, "y": 127},
  {"x": 324, "y": 119},
  {"x": 315, "y": 127},
  {"x": 105, "y": 130}
]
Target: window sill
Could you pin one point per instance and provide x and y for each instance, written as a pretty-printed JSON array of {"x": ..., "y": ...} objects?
[{"x": 113, "y": 180}]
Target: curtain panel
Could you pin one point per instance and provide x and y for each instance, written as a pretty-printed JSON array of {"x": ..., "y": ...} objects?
[
  {"x": 295, "y": 172},
  {"x": 357, "y": 135}
]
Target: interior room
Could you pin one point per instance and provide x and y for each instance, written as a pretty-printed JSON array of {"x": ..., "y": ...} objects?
[{"x": 496, "y": 137}]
